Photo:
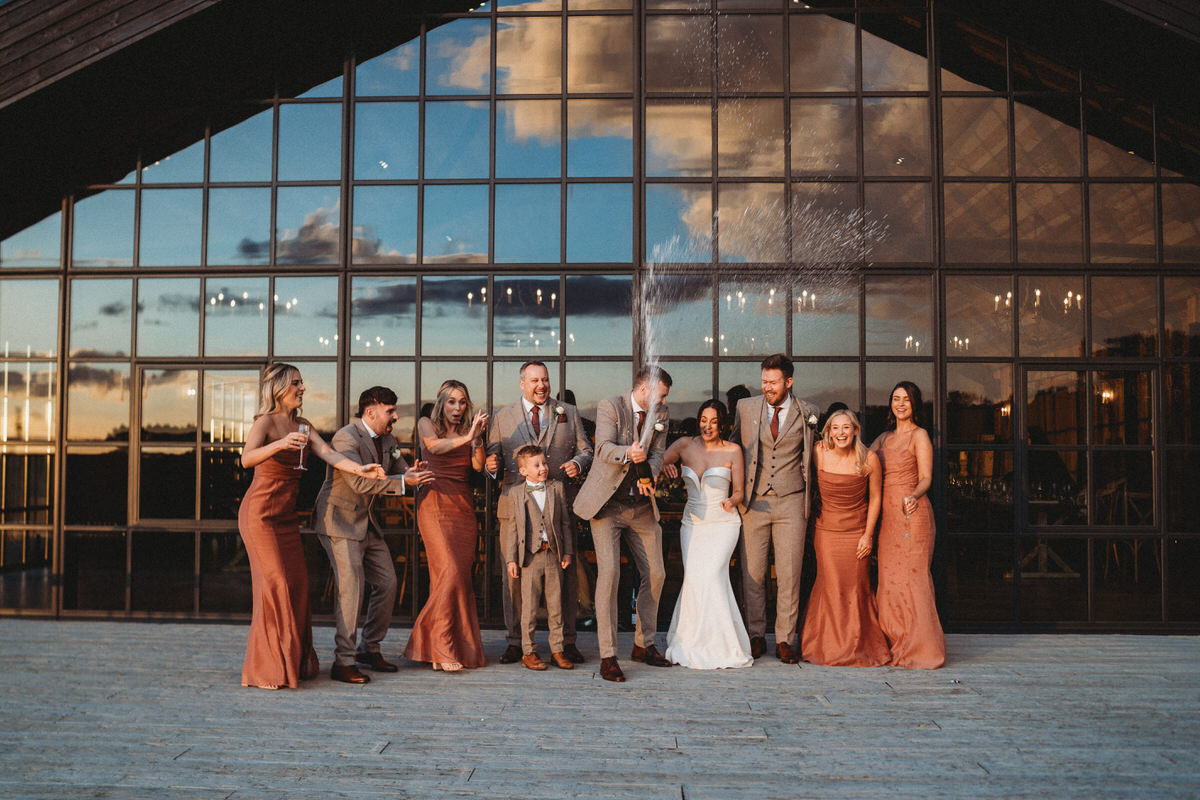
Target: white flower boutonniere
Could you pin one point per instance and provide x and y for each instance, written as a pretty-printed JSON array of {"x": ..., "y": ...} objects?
[
  {"x": 394, "y": 451},
  {"x": 659, "y": 427},
  {"x": 561, "y": 413},
  {"x": 811, "y": 420}
]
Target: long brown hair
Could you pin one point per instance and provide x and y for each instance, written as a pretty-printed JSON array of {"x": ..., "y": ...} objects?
[
  {"x": 914, "y": 399},
  {"x": 438, "y": 415},
  {"x": 276, "y": 378}
]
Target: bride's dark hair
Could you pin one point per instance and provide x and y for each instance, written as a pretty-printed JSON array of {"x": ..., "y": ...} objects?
[{"x": 719, "y": 407}]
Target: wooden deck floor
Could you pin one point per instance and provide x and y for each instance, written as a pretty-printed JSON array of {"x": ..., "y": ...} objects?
[{"x": 140, "y": 710}]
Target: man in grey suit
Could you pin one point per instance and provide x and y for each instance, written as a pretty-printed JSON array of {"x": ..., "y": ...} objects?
[
  {"x": 557, "y": 429},
  {"x": 351, "y": 535},
  {"x": 620, "y": 506},
  {"x": 775, "y": 431}
]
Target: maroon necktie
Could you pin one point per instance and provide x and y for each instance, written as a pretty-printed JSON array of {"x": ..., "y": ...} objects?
[
  {"x": 641, "y": 420},
  {"x": 535, "y": 421},
  {"x": 775, "y": 423}
]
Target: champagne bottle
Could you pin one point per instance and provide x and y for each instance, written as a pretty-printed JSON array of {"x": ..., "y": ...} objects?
[{"x": 644, "y": 475}]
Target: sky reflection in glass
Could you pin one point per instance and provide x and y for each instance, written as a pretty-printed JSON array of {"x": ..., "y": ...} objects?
[
  {"x": 396, "y": 72},
  {"x": 528, "y": 138},
  {"x": 168, "y": 317},
  {"x": 456, "y": 224},
  {"x": 528, "y": 223},
  {"x": 28, "y": 391},
  {"x": 239, "y": 226},
  {"x": 39, "y": 245},
  {"x": 678, "y": 222},
  {"x": 824, "y": 318},
  {"x": 824, "y": 140},
  {"x": 383, "y": 316},
  {"x": 456, "y": 139},
  {"x": 385, "y": 141},
  {"x": 599, "y": 315},
  {"x": 185, "y": 166},
  {"x": 599, "y": 138},
  {"x": 243, "y": 152},
  {"x": 752, "y": 316},
  {"x": 600, "y": 54},
  {"x": 235, "y": 316},
  {"x": 679, "y": 316},
  {"x": 28, "y": 317},
  {"x": 458, "y": 58},
  {"x": 525, "y": 317},
  {"x": 529, "y": 55},
  {"x": 899, "y": 314},
  {"x": 101, "y": 318},
  {"x": 98, "y": 402},
  {"x": 599, "y": 222},
  {"x": 170, "y": 231},
  {"x": 310, "y": 142},
  {"x": 308, "y": 225},
  {"x": 453, "y": 316},
  {"x": 678, "y": 138},
  {"x": 306, "y": 317},
  {"x": 678, "y": 54},
  {"x": 104, "y": 230},
  {"x": 385, "y": 224},
  {"x": 401, "y": 378}
]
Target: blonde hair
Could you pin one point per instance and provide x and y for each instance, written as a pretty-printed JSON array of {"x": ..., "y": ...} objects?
[
  {"x": 276, "y": 378},
  {"x": 438, "y": 415},
  {"x": 860, "y": 450}
]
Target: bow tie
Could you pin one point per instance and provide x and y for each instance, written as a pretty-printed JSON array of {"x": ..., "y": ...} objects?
[{"x": 535, "y": 487}]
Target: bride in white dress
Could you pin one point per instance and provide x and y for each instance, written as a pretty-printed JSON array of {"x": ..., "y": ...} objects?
[{"x": 706, "y": 629}]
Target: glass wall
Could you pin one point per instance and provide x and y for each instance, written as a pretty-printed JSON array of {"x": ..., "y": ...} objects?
[{"x": 881, "y": 194}]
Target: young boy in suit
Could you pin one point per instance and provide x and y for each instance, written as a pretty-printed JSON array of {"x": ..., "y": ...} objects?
[{"x": 537, "y": 538}]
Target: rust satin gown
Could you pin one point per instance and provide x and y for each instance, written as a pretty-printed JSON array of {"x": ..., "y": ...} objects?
[
  {"x": 841, "y": 626},
  {"x": 907, "y": 612},
  {"x": 447, "y": 629},
  {"x": 279, "y": 649}
]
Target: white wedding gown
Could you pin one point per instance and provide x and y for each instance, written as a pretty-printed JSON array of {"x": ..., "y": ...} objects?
[{"x": 706, "y": 629}]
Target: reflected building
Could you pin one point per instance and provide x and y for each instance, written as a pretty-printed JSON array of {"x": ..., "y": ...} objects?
[{"x": 405, "y": 193}]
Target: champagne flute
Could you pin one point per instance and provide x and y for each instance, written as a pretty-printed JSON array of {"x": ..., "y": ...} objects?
[
  {"x": 907, "y": 514},
  {"x": 303, "y": 429}
]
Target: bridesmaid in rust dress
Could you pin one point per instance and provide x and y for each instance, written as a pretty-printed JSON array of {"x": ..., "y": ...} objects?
[
  {"x": 279, "y": 649},
  {"x": 841, "y": 626},
  {"x": 446, "y": 632},
  {"x": 907, "y": 611}
]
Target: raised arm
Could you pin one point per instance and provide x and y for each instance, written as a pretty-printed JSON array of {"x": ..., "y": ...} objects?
[
  {"x": 674, "y": 454},
  {"x": 440, "y": 445},
  {"x": 257, "y": 449},
  {"x": 339, "y": 461}
]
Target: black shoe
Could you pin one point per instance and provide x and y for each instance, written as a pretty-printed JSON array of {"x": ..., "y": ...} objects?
[
  {"x": 573, "y": 654},
  {"x": 511, "y": 655},
  {"x": 348, "y": 673},
  {"x": 375, "y": 661},
  {"x": 758, "y": 646}
]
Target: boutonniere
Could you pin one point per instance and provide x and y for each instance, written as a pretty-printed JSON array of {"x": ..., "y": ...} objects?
[
  {"x": 811, "y": 421},
  {"x": 659, "y": 427},
  {"x": 561, "y": 413},
  {"x": 394, "y": 452}
]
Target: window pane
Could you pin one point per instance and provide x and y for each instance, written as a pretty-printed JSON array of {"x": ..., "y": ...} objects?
[
  {"x": 452, "y": 323},
  {"x": 310, "y": 142},
  {"x": 1183, "y": 601},
  {"x": 396, "y": 72},
  {"x": 1124, "y": 486},
  {"x": 1120, "y": 142},
  {"x": 456, "y": 224},
  {"x": 224, "y": 585},
  {"x": 600, "y": 54},
  {"x": 592, "y": 381},
  {"x": 741, "y": 379},
  {"x": 385, "y": 141},
  {"x": 599, "y": 138},
  {"x": 678, "y": 223},
  {"x": 96, "y": 502},
  {"x": 239, "y": 226},
  {"x": 27, "y": 562},
  {"x": 824, "y": 136},
  {"x": 385, "y": 225},
  {"x": 1052, "y": 316},
  {"x": 170, "y": 233},
  {"x": 1047, "y": 137},
  {"x": 829, "y": 231},
  {"x": 457, "y": 58},
  {"x": 1182, "y": 425},
  {"x": 383, "y": 315},
  {"x": 692, "y": 386},
  {"x": 1049, "y": 222},
  {"x": 101, "y": 318},
  {"x": 27, "y": 402},
  {"x": 97, "y": 403},
  {"x": 185, "y": 166},
  {"x": 752, "y": 222},
  {"x": 979, "y": 576},
  {"x": 168, "y": 317},
  {"x": 29, "y": 317},
  {"x": 1122, "y": 217},
  {"x": 1054, "y": 578},
  {"x": 1181, "y": 315},
  {"x": 599, "y": 315},
  {"x": 1055, "y": 408},
  {"x": 456, "y": 139},
  {"x": 1128, "y": 582},
  {"x": 1124, "y": 316},
  {"x": 896, "y": 136},
  {"x": 103, "y": 230},
  {"x": 979, "y": 496},
  {"x": 678, "y": 138},
  {"x": 400, "y": 377},
  {"x": 882, "y": 377},
  {"x": 243, "y": 152},
  {"x": 975, "y": 136},
  {"x": 529, "y": 55},
  {"x": 39, "y": 245},
  {"x": 821, "y": 383},
  {"x": 94, "y": 570},
  {"x": 472, "y": 374},
  {"x": 1181, "y": 209},
  {"x": 308, "y": 225},
  {"x": 824, "y": 318},
  {"x": 169, "y": 405},
  {"x": 978, "y": 223},
  {"x": 320, "y": 407},
  {"x": 330, "y": 88},
  {"x": 168, "y": 489},
  {"x": 821, "y": 53},
  {"x": 678, "y": 54},
  {"x": 528, "y": 223},
  {"x": 979, "y": 402},
  {"x": 750, "y": 137},
  {"x": 893, "y": 54},
  {"x": 1183, "y": 501},
  {"x": 1176, "y": 144},
  {"x": 1057, "y": 487},
  {"x": 230, "y": 403},
  {"x": 525, "y": 317},
  {"x": 306, "y": 316},
  {"x": 1122, "y": 407},
  {"x": 235, "y": 316},
  {"x": 749, "y": 53},
  {"x": 979, "y": 315},
  {"x": 679, "y": 310},
  {"x": 599, "y": 222},
  {"x": 973, "y": 58},
  {"x": 752, "y": 317},
  {"x": 163, "y": 565},
  {"x": 899, "y": 316},
  {"x": 904, "y": 209},
  {"x": 528, "y": 138}
]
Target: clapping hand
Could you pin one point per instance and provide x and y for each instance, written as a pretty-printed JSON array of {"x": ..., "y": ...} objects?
[
  {"x": 414, "y": 476},
  {"x": 479, "y": 425}
]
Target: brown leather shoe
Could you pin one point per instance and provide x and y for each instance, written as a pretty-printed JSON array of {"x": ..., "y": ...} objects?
[
  {"x": 610, "y": 670},
  {"x": 511, "y": 655},
  {"x": 572, "y": 652},
  {"x": 375, "y": 661},
  {"x": 649, "y": 656},
  {"x": 786, "y": 654},
  {"x": 758, "y": 646},
  {"x": 561, "y": 661},
  {"x": 533, "y": 661},
  {"x": 348, "y": 673}
]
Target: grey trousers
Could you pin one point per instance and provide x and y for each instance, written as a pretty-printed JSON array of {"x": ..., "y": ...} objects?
[
  {"x": 542, "y": 576},
  {"x": 778, "y": 523},
  {"x": 637, "y": 526},
  {"x": 512, "y": 606},
  {"x": 357, "y": 565}
]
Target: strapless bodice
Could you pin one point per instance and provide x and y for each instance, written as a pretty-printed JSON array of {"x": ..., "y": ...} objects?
[{"x": 707, "y": 490}]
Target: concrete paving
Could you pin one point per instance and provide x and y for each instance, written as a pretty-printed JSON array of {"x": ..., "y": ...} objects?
[{"x": 144, "y": 710}]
